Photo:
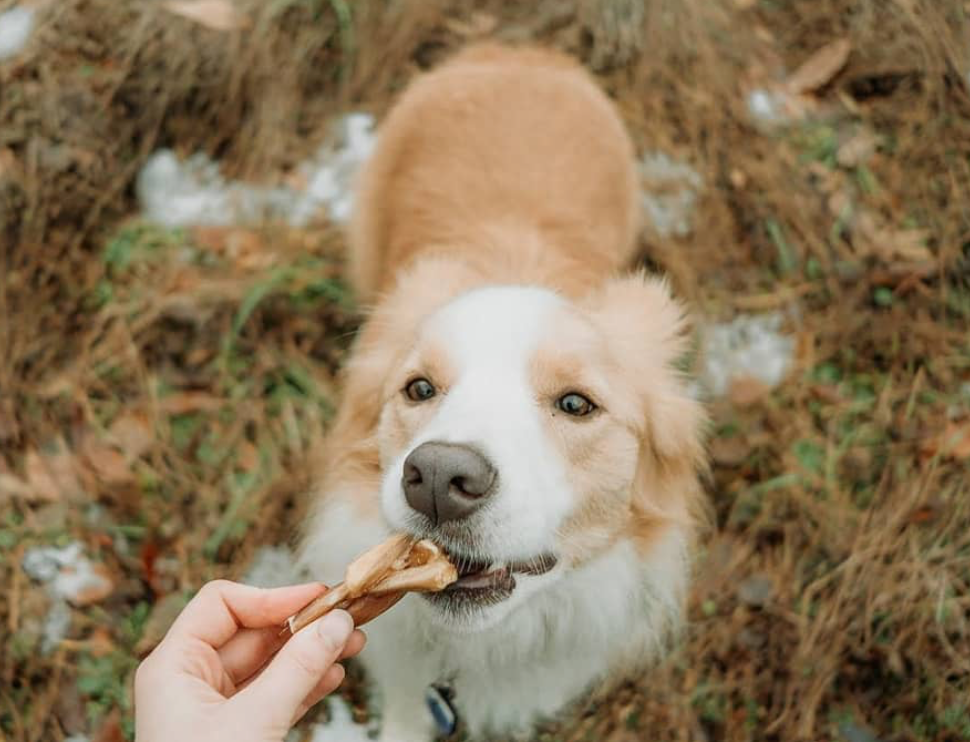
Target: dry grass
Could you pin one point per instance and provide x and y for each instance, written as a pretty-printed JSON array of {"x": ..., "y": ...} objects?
[{"x": 160, "y": 391}]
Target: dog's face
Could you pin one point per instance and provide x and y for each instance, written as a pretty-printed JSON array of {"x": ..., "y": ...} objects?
[{"x": 526, "y": 434}]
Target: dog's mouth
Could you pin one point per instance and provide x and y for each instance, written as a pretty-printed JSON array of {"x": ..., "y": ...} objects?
[{"x": 485, "y": 582}]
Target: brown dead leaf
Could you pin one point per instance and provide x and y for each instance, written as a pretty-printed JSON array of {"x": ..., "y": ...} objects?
[
  {"x": 747, "y": 390},
  {"x": 199, "y": 355},
  {"x": 100, "y": 643},
  {"x": 241, "y": 242},
  {"x": 247, "y": 457},
  {"x": 923, "y": 514},
  {"x": 56, "y": 387},
  {"x": 185, "y": 281},
  {"x": 11, "y": 486},
  {"x": 53, "y": 474},
  {"x": 245, "y": 247},
  {"x": 730, "y": 451},
  {"x": 10, "y": 168},
  {"x": 953, "y": 442},
  {"x": 479, "y": 24},
  {"x": 891, "y": 244},
  {"x": 212, "y": 239},
  {"x": 133, "y": 432},
  {"x": 296, "y": 180},
  {"x": 858, "y": 150},
  {"x": 818, "y": 70},
  {"x": 219, "y": 15},
  {"x": 839, "y": 203},
  {"x": 110, "y": 729},
  {"x": 186, "y": 402},
  {"x": 908, "y": 244},
  {"x": 108, "y": 463},
  {"x": 39, "y": 478},
  {"x": 764, "y": 34},
  {"x": 69, "y": 710},
  {"x": 9, "y": 429}
]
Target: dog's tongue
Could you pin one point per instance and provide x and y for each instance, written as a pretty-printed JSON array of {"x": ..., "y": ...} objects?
[
  {"x": 481, "y": 575},
  {"x": 484, "y": 578}
]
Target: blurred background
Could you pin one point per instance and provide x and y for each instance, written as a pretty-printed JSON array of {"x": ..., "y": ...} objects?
[{"x": 173, "y": 186}]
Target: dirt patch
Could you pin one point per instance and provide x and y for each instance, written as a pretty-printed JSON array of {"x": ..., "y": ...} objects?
[{"x": 162, "y": 391}]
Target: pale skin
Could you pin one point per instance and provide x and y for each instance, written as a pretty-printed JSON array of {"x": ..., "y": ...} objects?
[{"x": 223, "y": 673}]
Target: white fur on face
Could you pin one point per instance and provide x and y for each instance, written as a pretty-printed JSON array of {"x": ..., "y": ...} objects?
[
  {"x": 501, "y": 355},
  {"x": 490, "y": 336}
]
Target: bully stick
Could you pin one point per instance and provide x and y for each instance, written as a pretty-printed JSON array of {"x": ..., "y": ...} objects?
[{"x": 379, "y": 578}]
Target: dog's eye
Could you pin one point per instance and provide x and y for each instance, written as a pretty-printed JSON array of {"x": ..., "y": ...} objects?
[
  {"x": 575, "y": 404},
  {"x": 419, "y": 390}
]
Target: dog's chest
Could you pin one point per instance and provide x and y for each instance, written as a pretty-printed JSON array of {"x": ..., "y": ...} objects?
[
  {"x": 523, "y": 671},
  {"x": 516, "y": 695}
]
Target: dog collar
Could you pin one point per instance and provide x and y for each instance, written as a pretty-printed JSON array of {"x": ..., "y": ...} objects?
[{"x": 439, "y": 699}]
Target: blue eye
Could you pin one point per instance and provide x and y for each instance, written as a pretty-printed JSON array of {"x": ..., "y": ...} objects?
[
  {"x": 575, "y": 404},
  {"x": 419, "y": 390}
]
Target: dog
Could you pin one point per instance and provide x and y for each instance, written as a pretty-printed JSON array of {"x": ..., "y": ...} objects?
[{"x": 514, "y": 396}]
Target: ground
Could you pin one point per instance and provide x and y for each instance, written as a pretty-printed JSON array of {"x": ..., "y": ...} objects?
[{"x": 162, "y": 389}]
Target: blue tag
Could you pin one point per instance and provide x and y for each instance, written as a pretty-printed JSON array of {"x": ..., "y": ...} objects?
[{"x": 438, "y": 699}]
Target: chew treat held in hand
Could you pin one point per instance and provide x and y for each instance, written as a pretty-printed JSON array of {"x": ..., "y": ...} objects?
[{"x": 379, "y": 578}]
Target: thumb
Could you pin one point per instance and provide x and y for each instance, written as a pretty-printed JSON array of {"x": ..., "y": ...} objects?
[{"x": 297, "y": 671}]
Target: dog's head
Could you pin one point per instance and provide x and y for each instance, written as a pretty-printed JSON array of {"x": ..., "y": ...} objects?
[{"x": 527, "y": 433}]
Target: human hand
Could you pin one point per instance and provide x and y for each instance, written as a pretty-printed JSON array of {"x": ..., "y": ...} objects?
[{"x": 223, "y": 672}]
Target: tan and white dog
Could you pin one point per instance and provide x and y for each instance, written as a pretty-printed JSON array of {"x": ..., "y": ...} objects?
[{"x": 510, "y": 397}]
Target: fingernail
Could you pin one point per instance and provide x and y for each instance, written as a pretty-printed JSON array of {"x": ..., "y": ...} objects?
[{"x": 336, "y": 628}]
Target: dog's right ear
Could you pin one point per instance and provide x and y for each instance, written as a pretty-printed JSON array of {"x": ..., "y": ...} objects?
[
  {"x": 647, "y": 329},
  {"x": 386, "y": 337}
]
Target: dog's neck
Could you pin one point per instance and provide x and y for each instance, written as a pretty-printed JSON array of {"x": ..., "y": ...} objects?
[
  {"x": 511, "y": 253},
  {"x": 600, "y": 620},
  {"x": 611, "y": 596}
]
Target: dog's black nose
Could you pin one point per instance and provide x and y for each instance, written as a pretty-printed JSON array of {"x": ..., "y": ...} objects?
[{"x": 447, "y": 481}]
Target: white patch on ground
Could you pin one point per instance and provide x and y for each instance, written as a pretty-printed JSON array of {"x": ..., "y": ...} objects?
[
  {"x": 341, "y": 727},
  {"x": 193, "y": 192},
  {"x": 77, "y": 738},
  {"x": 670, "y": 190},
  {"x": 330, "y": 175},
  {"x": 776, "y": 107},
  {"x": 69, "y": 576},
  {"x": 272, "y": 566},
  {"x": 68, "y": 573},
  {"x": 748, "y": 346},
  {"x": 766, "y": 106},
  {"x": 57, "y": 623},
  {"x": 16, "y": 25}
]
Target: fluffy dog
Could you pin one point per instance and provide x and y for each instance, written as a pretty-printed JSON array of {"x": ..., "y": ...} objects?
[{"x": 512, "y": 397}]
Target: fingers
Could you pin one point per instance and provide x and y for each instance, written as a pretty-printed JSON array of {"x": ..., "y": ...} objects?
[
  {"x": 327, "y": 685},
  {"x": 354, "y": 645},
  {"x": 221, "y": 607},
  {"x": 302, "y": 667},
  {"x": 250, "y": 649}
]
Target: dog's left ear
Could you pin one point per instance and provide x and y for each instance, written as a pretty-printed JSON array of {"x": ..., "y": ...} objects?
[{"x": 647, "y": 331}]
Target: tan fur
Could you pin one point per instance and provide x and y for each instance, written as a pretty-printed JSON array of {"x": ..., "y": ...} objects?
[
  {"x": 473, "y": 183},
  {"x": 351, "y": 457},
  {"x": 471, "y": 165},
  {"x": 510, "y": 167}
]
